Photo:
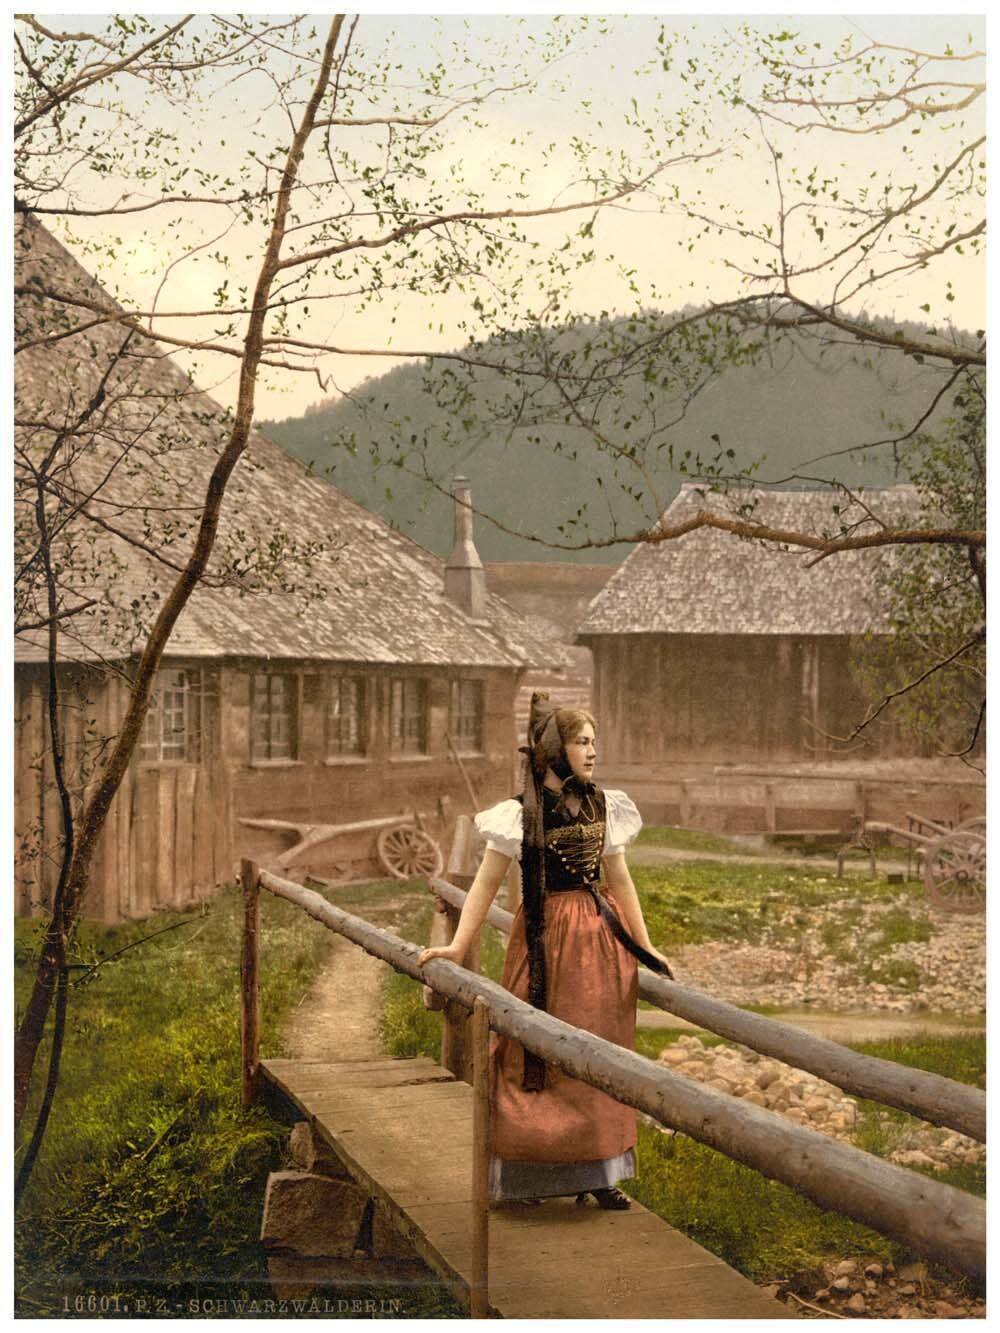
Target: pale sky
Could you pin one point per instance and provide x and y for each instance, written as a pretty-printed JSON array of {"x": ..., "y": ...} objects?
[{"x": 652, "y": 241}]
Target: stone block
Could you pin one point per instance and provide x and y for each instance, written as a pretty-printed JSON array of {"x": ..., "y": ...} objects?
[
  {"x": 311, "y": 1214},
  {"x": 312, "y": 1153}
]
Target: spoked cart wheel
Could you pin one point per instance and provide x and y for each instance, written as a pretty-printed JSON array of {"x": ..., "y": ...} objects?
[
  {"x": 977, "y": 825},
  {"x": 955, "y": 870},
  {"x": 409, "y": 853}
]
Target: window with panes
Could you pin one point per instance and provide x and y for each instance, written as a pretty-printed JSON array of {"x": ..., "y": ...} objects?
[
  {"x": 345, "y": 728},
  {"x": 171, "y": 731},
  {"x": 408, "y": 715},
  {"x": 273, "y": 715},
  {"x": 465, "y": 716}
]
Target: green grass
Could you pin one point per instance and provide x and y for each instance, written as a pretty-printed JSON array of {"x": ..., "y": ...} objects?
[
  {"x": 759, "y": 1226},
  {"x": 865, "y": 947},
  {"x": 962, "y": 1058},
  {"x": 897, "y": 927},
  {"x": 687, "y": 902},
  {"x": 692, "y": 840},
  {"x": 150, "y": 1172}
]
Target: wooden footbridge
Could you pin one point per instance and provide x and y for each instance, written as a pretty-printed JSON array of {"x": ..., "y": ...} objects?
[
  {"x": 404, "y": 1131},
  {"x": 412, "y": 1134}
]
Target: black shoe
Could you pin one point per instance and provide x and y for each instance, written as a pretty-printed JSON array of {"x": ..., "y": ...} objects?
[{"x": 610, "y": 1198}]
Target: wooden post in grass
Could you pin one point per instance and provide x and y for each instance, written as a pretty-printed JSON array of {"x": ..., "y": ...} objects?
[
  {"x": 250, "y": 983},
  {"x": 462, "y": 864},
  {"x": 479, "y": 1300}
]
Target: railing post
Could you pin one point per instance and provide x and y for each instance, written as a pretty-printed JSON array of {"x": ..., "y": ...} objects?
[
  {"x": 479, "y": 1300},
  {"x": 250, "y": 983},
  {"x": 441, "y": 934},
  {"x": 456, "y": 1055}
]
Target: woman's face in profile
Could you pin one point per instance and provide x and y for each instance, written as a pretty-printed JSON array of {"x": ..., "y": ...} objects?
[{"x": 581, "y": 752}]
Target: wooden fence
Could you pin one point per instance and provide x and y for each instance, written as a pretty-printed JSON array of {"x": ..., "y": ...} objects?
[{"x": 943, "y": 1223}]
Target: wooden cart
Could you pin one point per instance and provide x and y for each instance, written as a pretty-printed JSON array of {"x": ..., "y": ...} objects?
[
  {"x": 954, "y": 859},
  {"x": 404, "y": 849}
]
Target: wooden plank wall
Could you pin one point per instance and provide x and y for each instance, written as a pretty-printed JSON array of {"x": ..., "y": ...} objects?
[
  {"x": 727, "y": 698},
  {"x": 180, "y": 827},
  {"x": 168, "y": 839}
]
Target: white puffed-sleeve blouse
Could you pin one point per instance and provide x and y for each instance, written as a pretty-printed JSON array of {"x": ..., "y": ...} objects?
[{"x": 502, "y": 824}]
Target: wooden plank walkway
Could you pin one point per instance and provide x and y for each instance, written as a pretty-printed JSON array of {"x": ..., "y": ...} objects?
[{"x": 403, "y": 1129}]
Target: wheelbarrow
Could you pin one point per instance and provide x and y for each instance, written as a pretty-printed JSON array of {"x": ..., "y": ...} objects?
[{"x": 404, "y": 849}]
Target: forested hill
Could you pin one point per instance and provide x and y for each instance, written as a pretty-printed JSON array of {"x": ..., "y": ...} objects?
[{"x": 789, "y": 404}]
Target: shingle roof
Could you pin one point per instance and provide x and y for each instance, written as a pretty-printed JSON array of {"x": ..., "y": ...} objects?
[
  {"x": 155, "y": 440},
  {"x": 710, "y": 582}
]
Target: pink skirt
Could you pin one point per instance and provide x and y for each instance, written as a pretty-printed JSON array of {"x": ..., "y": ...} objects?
[{"x": 592, "y": 983}]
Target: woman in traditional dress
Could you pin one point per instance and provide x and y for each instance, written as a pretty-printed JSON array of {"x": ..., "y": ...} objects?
[{"x": 572, "y": 952}]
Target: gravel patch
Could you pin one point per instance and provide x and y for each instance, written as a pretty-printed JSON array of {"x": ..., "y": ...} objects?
[{"x": 794, "y": 965}]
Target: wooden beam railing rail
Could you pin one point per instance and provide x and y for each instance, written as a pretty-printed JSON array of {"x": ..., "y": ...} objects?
[
  {"x": 942, "y": 1222},
  {"x": 932, "y": 1097}
]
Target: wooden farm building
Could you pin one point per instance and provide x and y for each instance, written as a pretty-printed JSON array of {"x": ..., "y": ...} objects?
[
  {"x": 712, "y": 653},
  {"x": 329, "y": 671}
]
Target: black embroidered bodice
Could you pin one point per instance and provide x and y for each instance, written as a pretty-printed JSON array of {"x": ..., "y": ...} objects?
[{"x": 573, "y": 843}]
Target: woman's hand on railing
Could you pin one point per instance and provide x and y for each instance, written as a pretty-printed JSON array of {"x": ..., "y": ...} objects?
[{"x": 446, "y": 951}]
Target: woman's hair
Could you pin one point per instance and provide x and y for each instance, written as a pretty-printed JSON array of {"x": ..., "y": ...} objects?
[{"x": 571, "y": 721}]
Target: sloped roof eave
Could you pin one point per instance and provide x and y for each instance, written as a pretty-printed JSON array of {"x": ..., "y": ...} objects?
[{"x": 381, "y": 596}]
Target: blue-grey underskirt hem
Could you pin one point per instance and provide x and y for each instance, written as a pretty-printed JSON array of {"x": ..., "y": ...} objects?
[{"x": 542, "y": 1180}]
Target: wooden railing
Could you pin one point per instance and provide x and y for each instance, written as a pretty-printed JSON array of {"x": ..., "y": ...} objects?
[{"x": 943, "y": 1223}]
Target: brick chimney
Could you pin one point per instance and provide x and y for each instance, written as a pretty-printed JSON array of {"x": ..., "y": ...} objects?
[{"x": 464, "y": 576}]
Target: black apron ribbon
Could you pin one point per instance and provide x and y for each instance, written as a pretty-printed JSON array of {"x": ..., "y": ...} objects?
[{"x": 623, "y": 937}]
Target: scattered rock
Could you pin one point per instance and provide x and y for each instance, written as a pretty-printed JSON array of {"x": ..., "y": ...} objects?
[
  {"x": 841, "y": 1284},
  {"x": 914, "y": 1157},
  {"x": 857, "y": 1303},
  {"x": 806, "y": 1100},
  {"x": 673, "y": 1055}
]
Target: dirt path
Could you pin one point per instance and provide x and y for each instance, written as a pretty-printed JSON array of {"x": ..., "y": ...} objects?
[
  {"x": 655, "y": 856},
  {"x": 338, "y": 1017},
  {"x": 839, "y": 1027}
]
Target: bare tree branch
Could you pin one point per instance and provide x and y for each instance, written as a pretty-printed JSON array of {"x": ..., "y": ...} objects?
[{"x": 978, "y": 638}]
